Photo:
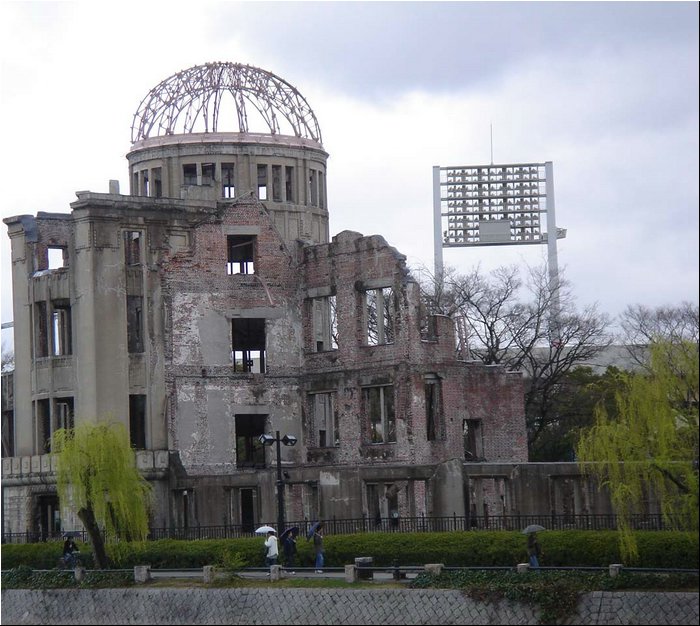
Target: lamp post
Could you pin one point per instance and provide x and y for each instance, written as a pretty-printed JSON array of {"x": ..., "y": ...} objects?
[{"x": 287, "y": 440}]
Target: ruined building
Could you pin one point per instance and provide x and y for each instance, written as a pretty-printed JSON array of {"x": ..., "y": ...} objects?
[{"x": 210, "y": 306}]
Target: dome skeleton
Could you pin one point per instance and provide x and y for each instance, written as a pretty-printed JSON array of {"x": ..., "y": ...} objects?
[{"x": 195, "y": 96}]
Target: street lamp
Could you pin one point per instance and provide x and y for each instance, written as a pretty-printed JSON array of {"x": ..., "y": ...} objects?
[{"x": 287, "y": 440}]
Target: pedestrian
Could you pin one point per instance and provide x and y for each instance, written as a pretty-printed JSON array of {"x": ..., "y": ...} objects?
[
  {"x": 70, "y": 551},
  {"x": 318, "y": 548},
  {"x": 533, "y": 550},
  {"x": 272, "y": 551},
  {"x": 290, "y": 549}
]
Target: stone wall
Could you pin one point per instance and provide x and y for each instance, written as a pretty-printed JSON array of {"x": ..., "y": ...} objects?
[{"x": 324, "y": 606}]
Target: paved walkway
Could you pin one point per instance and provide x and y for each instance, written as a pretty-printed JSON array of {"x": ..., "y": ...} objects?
[{"x": 200, "y": 605}]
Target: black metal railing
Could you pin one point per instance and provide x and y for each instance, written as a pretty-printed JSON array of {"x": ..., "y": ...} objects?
[{"x": 334, "y": 526}]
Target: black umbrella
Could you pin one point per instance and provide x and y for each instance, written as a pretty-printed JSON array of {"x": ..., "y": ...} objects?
[{"x": 291, "y": 530}]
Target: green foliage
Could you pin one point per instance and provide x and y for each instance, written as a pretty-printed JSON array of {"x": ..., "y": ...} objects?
[
  {"x": 96, "y": 470},
  {"x": 650, "y": 443},
  {"x": 657, "y": 549},
  {"x": 555, "y": 594},
  {"x": 24, "y": 577}
]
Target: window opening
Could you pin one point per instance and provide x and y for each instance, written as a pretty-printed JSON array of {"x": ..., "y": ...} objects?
[
  {"x": 61, "y": 329},
  {"x": 56, "y": 257},
  {"x": 249, "y": 451},
  {"x": 158, "y": 182},
  {"x": 134, "y": 323},
  {"x": 289, "y": 184},
  {"x": 321, "y": 191},
  {"x": 8, "y": 433},
  {"x": 262, "y": 182},
  {"x": 41, "y": 337},
  {"x": 471, "y": 431},
  {"x": 277, "y": 183},
  {"x": 137, "y": 421},
  {"x": 379, "y": 407},
  {"x": 241, "y": 254},
  {"x": 189, "y": 174},
  {"x": 324, "y": 420},
  {"x": 382, "y": 502},
  {"x": 42, "y": 410},
  {"x": 248, "y": 349},
  {"x": 380, "y": 316},
  {"x": 207, "y": 173},
  {"x": 132, "y": 247},
  {"x": 433, "y": 404},
  {"x": 145, "y": 184},
  {"x": 248, "y": 515},
  {"x": 64, "y": 413},
  {"x": 228, "y": 184},
  {"x": 325, "y": 323},
  {"x": 313, "y": 187}
]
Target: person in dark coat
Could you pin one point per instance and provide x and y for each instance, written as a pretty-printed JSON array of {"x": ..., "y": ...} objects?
[{"x": 290, "y": 549}]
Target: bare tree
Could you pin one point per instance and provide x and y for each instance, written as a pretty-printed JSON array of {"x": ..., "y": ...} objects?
[
  {"x": 514, "y": 322},
  {"x": 673, "y": 325},
  {"x": 8, "y": 358}
]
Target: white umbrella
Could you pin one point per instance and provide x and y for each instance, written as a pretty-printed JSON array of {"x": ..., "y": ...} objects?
[
  {"x": 532, "y": 528},
  {"x": 263, "y": 530}
]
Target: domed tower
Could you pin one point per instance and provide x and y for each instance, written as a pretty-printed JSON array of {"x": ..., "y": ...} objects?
[{"x": 225, "y": 131}]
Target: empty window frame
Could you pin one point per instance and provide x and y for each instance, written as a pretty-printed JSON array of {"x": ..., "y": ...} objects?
[
  {"x": 379, "y": 409},
  {"x": 241, "y": 254},
  {"x": 382, "y": 502},
  {"x": 132, "y": 247},
  {"x": 313, "y": 187},
  {"x": 189, "y": 174},
  {"x": 277, "y": 183},
  {"x": 42, "y": 420},
  {"x": 63, "y": 417},
  {"x": 145, "y": 183},
  {"x": 8, "y": 433},
  {"x": 289, "y": 184},
  {"x": 137, "y": 421},
  {"x": 321, "y": 191},
  {"x": 41, "y": 336},
  {"x": 473, "y": 445},
  {"x": 380, "y": 316},
  {"x": 325, "y": 323},
  {"x": 61, "y": 331},
  {"x": 56, "y": 257},
  {"x": 228, "y": 181},
  {"x": 433, "y": 407},
  {"x": 324, "y": 419},
  {"x": 249, "y": 451},
  {"x": 208, "y": 173},
  {"x": 134, "y": 324},
  {"x": 248, "y": 345},
  {"x": 262, "y": 182},
  {"x": 157, "y": 182}
]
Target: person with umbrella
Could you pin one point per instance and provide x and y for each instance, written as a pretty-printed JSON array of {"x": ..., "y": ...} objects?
[
  {"x": 289, "y": 543},
  {"x": 316, "y": 531},
  {"x": 272, "y": 550},
  {"x": 533, "y": 546}
]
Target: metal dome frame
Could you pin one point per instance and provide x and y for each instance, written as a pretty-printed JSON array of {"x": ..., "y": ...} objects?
[{"x": 195, "y": 95}]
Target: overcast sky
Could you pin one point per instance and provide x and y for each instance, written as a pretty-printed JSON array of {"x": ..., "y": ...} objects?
[{"x": 606, "y": 91}]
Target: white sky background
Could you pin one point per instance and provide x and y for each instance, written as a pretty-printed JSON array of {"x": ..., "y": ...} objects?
[{"x": 607, "y": 91}]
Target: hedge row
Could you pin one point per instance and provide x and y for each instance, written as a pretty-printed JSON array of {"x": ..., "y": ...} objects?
[{"x": 662, "y": 549}]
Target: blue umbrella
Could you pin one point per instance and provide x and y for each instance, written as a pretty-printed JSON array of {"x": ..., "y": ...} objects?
[{"x": 312, "y": 530}]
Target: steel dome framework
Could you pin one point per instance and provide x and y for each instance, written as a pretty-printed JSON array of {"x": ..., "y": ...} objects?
[{"x": 191, "y": 101}]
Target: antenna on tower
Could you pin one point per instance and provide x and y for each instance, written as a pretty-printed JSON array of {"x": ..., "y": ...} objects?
[{"x": 491, "y": 144}]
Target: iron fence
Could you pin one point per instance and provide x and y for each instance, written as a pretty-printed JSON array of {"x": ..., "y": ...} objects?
[{"x": 334, "y": 526}]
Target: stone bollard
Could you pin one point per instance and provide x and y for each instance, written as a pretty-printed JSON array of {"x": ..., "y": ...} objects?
[
  {"x": 615, "y": 569},
  {"x": 79, "y": 573},
  {"x": 275, "y": 572},
  {"x": 364, "y": 565},
  {"x": 523, "y": 568},
  {"x": 142, "y": 574},
  {"x": 350, "y": 574},
  {"x": 208, "y": 574},
  {"x": 434, "y": 568}
]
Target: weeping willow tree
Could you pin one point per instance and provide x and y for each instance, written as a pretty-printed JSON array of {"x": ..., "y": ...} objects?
[
  {"x": 97, "y": 477},
  {"x": 649, "y": 446}
]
